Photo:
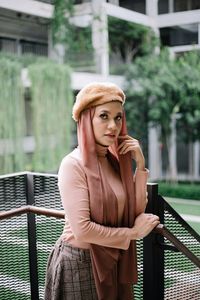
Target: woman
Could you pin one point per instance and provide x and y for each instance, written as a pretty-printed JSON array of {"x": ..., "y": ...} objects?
[{"x": 104, "y": 204}]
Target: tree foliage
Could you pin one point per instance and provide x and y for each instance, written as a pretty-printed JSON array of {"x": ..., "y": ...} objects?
[
  {"x": 51, "y": 97},
  {"x": 61, "y": 27},
  {"x": 159, "y": 88},
  {"x": 188, "y": 74},
  {"x": 130, "y": 40},
  {"x": 49, "y": 119},
  {"x": 74, "y": 38},
  {"x": 12, "y": 117}
]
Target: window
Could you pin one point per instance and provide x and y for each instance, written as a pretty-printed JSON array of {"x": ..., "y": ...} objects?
[
  {"x": 183, "y": 5},
  {"x": 179, "y": 35},
  {"x": 167, "y": 6},
  {"x": 8, "y": 45},
  {"x": 136, "y": 5},
  {"x": 22, "y": 46},
  {"x": 163, "y": 7},
  {"x": 34, "y": 48}
]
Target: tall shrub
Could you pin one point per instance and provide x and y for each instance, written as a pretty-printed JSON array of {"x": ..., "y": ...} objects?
[
  {"x": 12, "y": 117},
  {"x": 51, "y": 102}
]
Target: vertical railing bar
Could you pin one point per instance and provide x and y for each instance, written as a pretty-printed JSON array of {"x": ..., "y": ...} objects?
[
  {"x": 153, "y": 254},
  {"x": 32, "y": 246}
]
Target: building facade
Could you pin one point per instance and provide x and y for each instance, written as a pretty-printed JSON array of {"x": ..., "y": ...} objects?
[{"x": 25, "y": 28}]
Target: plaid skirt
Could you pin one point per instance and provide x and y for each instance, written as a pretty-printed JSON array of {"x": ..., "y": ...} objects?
[{"x": 69, "y": 274}]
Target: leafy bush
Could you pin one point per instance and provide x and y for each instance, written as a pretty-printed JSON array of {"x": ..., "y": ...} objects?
[{"x": 179, "y": 190}]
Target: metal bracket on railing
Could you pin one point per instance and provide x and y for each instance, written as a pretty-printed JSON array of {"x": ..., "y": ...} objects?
[{"x": 161, "y": 229}]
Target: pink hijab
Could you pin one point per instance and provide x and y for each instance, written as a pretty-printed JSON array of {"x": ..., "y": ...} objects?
[{"x": 114, "y": 269}]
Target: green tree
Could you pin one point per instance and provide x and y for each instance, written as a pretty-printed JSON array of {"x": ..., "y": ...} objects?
[
  {"x": 75, "y": 39},
  {"x": 130, "y": 40},
  {"x": 188, "y": 74},
  {"x": 160, "y": 87},
  {"x": 150, "y": 89},
  {"x": 61, "y": 27}
]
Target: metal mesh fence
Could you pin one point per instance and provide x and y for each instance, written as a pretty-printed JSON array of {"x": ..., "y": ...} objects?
[
  {"x": 181, "y": 276},
  {"x": 48, "y": 230},
  {"x": 138, "y": 288},
  {"x": 14, "y": 259}
]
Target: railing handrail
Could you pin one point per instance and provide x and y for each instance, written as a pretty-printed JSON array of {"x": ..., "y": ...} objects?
[
  {"x": 159, "y": 229},
  {"x": 49, "y": 212},
  {"x": 28, "y": 172}
]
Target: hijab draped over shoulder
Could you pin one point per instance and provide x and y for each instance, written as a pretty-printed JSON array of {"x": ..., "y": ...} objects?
[{"x": 114, "y": 269}]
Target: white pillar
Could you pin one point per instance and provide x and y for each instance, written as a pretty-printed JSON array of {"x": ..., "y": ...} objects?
[
  {"x": 56, "y": 52},
  {"x": 171, "y": 6},
  {"x": 172, "y": 150},
  {"x": 100, "y": 37},
  {"x": 154, "y": 154},
  {"x": 154, "y": 149},
  {"x": 191, "y": 159},
  {"x": 196, "y": 155},
  {"x": 152, "y": 11},
  {"x": 152, "y": 8}
]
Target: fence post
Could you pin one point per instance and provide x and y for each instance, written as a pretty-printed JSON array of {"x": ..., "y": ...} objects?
[
  {"x": 153, "y": 253},
  {"x": 32, "y": 246}
]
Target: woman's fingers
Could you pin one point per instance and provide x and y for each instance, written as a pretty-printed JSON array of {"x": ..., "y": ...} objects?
[
  {"x": 145, "y": 223},
  {"x": 130, "y": 145},
  {"x": 127, "y": 143}
]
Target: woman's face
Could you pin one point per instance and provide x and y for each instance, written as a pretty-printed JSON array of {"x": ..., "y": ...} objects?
[{"x": 107, "y": 122}]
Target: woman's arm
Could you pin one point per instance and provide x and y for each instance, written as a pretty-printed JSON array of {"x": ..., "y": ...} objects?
[
  {"x": 75, "y": 198},
  {"x": 140, "y": 181}
]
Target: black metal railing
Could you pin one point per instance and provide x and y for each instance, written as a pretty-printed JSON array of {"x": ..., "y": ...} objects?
[{"x": 167, "y": 258}]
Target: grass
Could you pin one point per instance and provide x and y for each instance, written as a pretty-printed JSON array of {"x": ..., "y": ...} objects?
[{"x": 195, "y": 226}]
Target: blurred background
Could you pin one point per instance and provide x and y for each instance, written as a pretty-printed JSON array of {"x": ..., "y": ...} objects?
[{"x": 50, "y": 49}]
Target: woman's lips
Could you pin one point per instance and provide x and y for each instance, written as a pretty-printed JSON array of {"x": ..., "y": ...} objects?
[{"x": 110, "y": 135}]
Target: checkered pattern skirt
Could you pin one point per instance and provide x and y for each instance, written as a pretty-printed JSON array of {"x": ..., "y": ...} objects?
[{"x": 69, "y": 274}]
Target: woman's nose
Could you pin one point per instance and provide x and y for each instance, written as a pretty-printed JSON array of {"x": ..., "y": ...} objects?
[{"x": 112, "y": 124}]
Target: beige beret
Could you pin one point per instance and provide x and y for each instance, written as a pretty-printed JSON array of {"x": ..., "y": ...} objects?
[{"x": 94, "y": 94}]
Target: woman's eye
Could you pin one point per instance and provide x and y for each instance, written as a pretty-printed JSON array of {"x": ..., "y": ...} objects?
[
  {"x": 103, "y": 116},
  {"x": 118, "y": 118}
]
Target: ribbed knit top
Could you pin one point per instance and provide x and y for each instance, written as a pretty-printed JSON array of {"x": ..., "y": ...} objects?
[{"x": 79, "y": 229}]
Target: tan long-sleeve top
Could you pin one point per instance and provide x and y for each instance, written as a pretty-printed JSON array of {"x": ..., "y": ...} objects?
[{"x": 79, "y": 229}]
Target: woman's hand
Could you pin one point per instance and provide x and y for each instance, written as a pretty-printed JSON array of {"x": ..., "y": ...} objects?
[
  {"x": 144, "y": 224},
  {"x": 131, "y": 144}
]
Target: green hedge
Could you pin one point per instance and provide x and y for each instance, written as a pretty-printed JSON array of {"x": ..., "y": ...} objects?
[{"x": 179, "y": 190}]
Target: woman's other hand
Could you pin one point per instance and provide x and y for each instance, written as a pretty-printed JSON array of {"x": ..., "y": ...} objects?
[
  {"x": 144, "y": 224},
  {"x": 130, "y": 144}
]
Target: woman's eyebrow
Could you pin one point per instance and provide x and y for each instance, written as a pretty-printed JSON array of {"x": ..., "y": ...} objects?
[
  {"x": 105, "y": 111},
  {"x": 109, "y": 112}
]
